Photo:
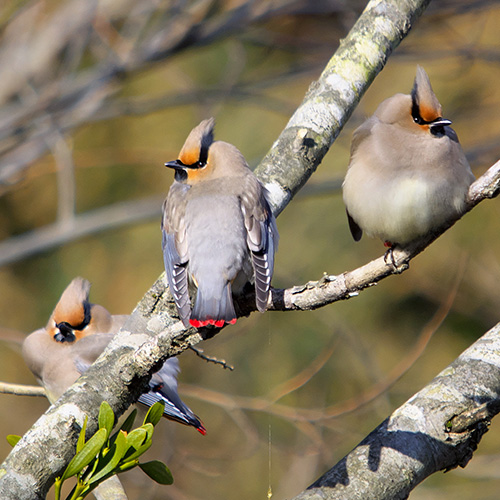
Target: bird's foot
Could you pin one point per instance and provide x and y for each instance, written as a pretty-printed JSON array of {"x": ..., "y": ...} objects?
[
  {"x": 389, "y": 254},
  {"x": 390, "y": 259}
]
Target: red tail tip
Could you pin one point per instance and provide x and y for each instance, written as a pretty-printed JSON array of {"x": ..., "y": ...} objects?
[
  {"x": 219, "y": 323},
  {"x": 201, "y": 430},
  {"x": 196, "y": 323}
]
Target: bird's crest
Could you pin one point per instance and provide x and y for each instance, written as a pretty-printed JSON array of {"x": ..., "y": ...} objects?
[
  {"x": 425, "y": 105},
  {"x": 195, "y": 149}
]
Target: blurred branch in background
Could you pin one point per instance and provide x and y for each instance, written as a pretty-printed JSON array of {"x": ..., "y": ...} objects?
[
  {"x": 21, "y": 390},
  {"x": 68, "y": 67},
  {"x": 76, "y": 226},
  {"x": 65, "y": 69}
]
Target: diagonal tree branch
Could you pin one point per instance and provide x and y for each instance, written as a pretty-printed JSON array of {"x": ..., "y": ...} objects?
[{"x": 438, "y": 428}]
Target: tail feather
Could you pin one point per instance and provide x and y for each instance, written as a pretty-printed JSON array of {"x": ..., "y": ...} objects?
[
  {"x": 213, "y": 308},
  {"x": 178, "y": 413},
  {"x": 163, "y": 387}
]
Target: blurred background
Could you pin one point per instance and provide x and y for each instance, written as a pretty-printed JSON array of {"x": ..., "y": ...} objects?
[{"x": 97, "y": 95}]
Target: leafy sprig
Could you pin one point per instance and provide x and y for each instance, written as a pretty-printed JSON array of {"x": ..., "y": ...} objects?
[{"x": 103, "y": 455}]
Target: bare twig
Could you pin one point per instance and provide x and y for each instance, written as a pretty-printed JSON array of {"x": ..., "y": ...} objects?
[
  {"x": 211, "y": 359},
  {"x": 21, "y": 390}
]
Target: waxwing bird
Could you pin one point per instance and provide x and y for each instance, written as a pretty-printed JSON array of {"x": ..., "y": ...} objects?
[
  {"x": 407, "y": 173},
  {"x": 218, "y": 230},
  {"x": 75, "y": 335}
]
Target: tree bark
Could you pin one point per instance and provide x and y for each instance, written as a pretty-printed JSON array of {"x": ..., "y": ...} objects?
[{"x": 438, "y": 428}]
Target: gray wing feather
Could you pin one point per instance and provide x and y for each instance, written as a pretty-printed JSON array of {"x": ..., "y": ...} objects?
[
  {"x": 175, "y": 258},
  {"x": 262, "y": 240},
  {"x": 177, "y": 276}
]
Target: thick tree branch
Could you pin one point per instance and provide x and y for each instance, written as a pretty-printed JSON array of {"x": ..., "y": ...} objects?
[{"x": 439, "y": 428}]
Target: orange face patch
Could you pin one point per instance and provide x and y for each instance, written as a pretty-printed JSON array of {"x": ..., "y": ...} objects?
[
  {"x": 189, "y": 157},
  {"x": 196, "y": 174},
  {"x": 74, "y": 317},
  {"x": 428, "y": 113}
]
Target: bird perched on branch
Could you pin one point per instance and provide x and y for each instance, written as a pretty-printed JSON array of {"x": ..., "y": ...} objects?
[
  {"x": 407, "y": 174},
  {"x": 75, "y": 335},
  {"x": 218, "y": 230}
]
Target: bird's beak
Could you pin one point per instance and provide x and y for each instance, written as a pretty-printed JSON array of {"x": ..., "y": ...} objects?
[
  {"x": 65, "y": 333},
  {"x": 440, "y": 122},
  {"x": 178, "y": 165}
]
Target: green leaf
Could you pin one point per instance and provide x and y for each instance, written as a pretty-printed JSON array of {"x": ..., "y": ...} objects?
[
  {"x": 129, "y": 422},
  {"x": 142, "y": 449},
  {"x": 116, "y": 452},
  {"x": 154, "y": 414},
  {"x": 136, "y": 438},
  {"x": 158, "y": 471},
  {"x": 86, "y": 454},
  {"x": 13, "y": 439},
  {"x": 149, "y": 429},
  {"x": 125, "y": 466},
  {"x": 106, "y": 417},
  {"x": 81, "y": 437}
]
